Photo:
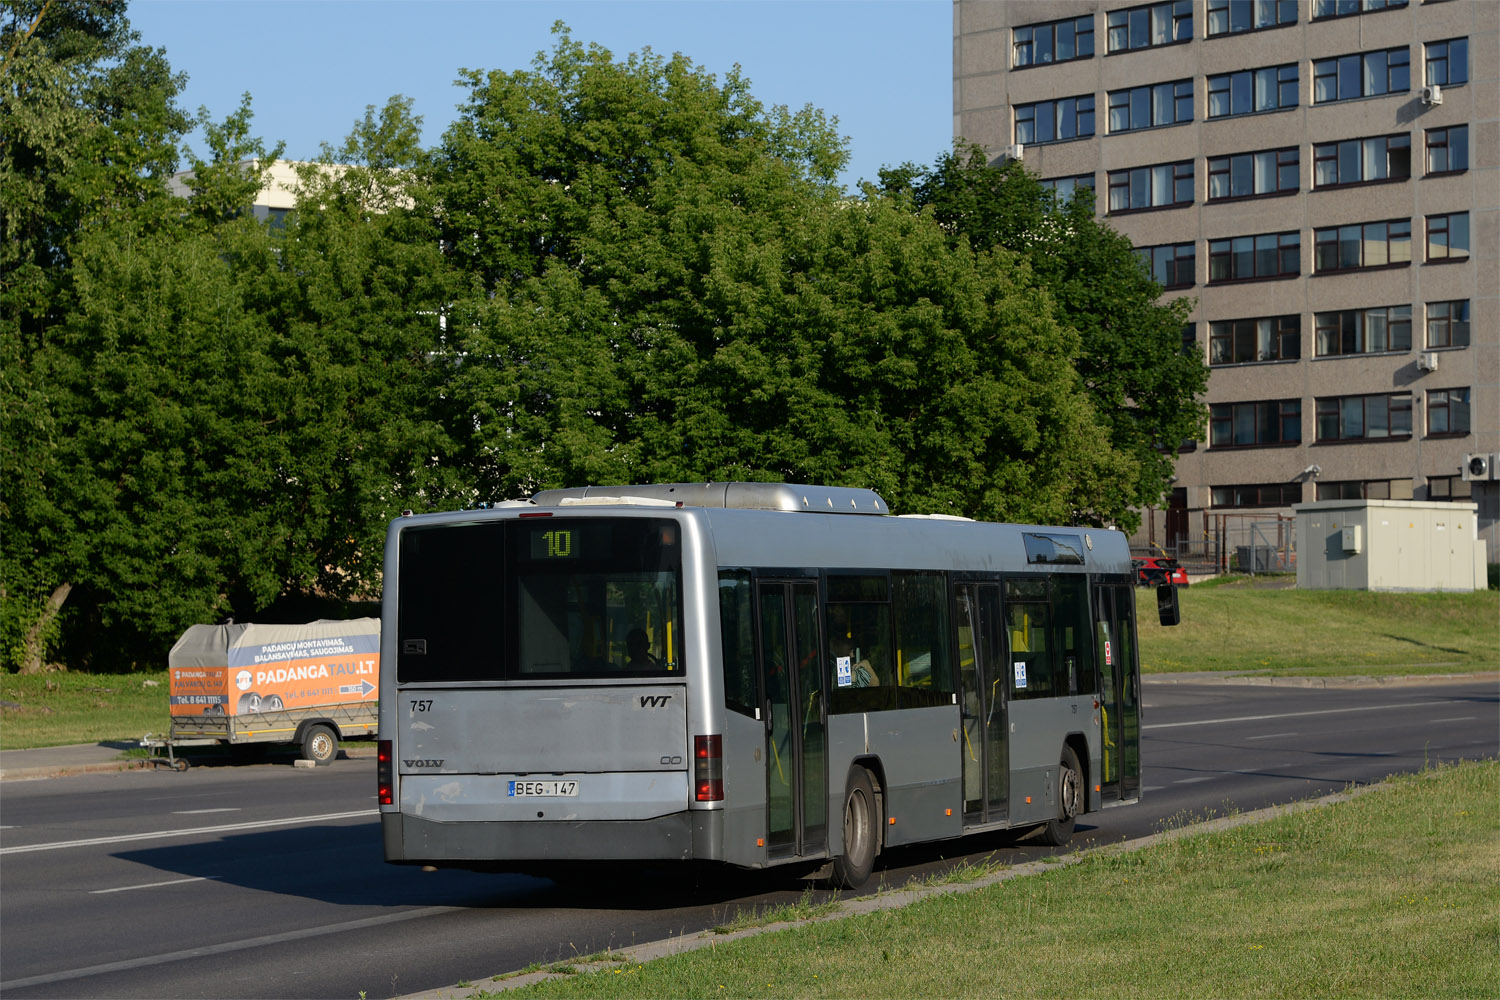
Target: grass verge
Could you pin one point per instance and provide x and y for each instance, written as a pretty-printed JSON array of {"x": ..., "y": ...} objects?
[
  {"x": 1389, "y": 894},
  {"x": 1291, "y": 632},
  {"x": 56, "y": 709}
]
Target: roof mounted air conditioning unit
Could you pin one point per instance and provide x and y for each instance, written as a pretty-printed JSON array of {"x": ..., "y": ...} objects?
[
  {"x": 1427, "y": 361},
  {"x": 1432, "y": 94},
  {"x": 1479, "y": 468}
]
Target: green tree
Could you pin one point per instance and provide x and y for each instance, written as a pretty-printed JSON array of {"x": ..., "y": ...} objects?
[
  {"x": 666, "y": 284},
  {"x": 88, "y": 129},
  {"x": 1141, "y": 382}
]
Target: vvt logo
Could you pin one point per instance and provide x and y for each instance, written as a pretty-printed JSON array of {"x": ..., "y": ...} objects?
[{"x": 655, "y": 700}]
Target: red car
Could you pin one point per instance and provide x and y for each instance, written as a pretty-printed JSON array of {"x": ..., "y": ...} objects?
[{"x": 1153, "y": 571}]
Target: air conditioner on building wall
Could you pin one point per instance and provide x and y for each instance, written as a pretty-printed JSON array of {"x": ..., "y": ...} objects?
[
  {"x": 1479, "y": 468},
  {"x": 1015, "y": 150},
  {"x": 1432, "y": 94},
  {"x": 1427, "y": 361}
]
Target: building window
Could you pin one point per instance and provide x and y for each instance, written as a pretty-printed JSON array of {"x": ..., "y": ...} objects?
[
  {"x": 1270, "y": 338},
  {"x": 1344, "y": 8},
  {"x": 1355, "y": 489},
  {"x": 1369, "y": 244},
  {"x": 1448, "y": 236},
  {"x": 1248, "y": 425},
  {"x": 1364, "y": 418},
  {"x": 1365, "y": 74},
  {"x": 1448, "y": 62},
  {"x": 1363, "y": 331},
  {"x": 1448, "y": 324},
  {"x": 1150, "y": 106},
  {"x": 1248, "y": 258},
  {"x": 1448, "y": 149},
  {"x": 1251, "y": 90},
  {"x": 1448, "y": 411},
  {"x": 1056, "y": 41},
  {"x": 1052, "y": 121},
  {"x": 1256, "y": 495},
  {"x": 1449, "y": 488},
  {"x": 1246, "y": 175},
  {"x": 1229, "y": 17},
  {"x": 1172, "y": 265},
  {"x": 1152, "y": 25},
  {"x": 1362, "y": 161},
  {"x": 1065, "y": 187},
  {"x": 1163, "y": 185}
]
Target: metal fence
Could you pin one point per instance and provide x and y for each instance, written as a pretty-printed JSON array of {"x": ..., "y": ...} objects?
[{"x": 1229, "y": 543}]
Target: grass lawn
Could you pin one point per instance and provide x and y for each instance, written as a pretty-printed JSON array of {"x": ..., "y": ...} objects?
[
  {"x": 57, "y": 709},
  {"x": 1389, "y": 894},
  {"x": 1238, "y": 626}
]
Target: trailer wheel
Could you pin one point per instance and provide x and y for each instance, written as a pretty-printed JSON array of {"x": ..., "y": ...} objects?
[
  {"x": 320, "y": 745},
  {"x": 180, "y": 764}
]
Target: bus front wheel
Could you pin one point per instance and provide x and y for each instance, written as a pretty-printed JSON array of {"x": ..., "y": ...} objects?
[
  {"x": 852, "y": 868},
  {"x": 1059, "y": 831}
]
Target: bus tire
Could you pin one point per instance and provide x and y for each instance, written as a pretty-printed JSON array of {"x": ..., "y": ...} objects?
[
  {"x": 1059, "y": 831},
  {"x": 852, "y": 868},
  {"x": 319, "y": 745}
]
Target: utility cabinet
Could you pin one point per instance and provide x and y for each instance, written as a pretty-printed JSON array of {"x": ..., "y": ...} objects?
[{"x": 1389, "y": 545}]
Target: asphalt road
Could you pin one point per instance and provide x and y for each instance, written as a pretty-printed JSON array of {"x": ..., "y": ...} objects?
[{"x": 266, "y": 880}]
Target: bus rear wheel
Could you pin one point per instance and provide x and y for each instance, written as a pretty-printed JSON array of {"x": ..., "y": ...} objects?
[
  {"x": 1059, "y": 831},
  {"x": 852, "y": 868}
]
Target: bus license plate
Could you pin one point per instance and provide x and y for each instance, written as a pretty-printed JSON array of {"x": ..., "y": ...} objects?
[{"x": 543, "y": 789}]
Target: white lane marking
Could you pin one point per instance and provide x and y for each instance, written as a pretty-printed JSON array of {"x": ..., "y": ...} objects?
[
  {"x": 1268, "y": 736},
  {"x": 1192, "y": 781},
  {"x": 1153, "y": 788},
  {"x": 200, "y": 812},
  {"x": 1298, "y": 715},
  {"x": 155, "y": 885},
  {"x": 221, "y": 949},
  {"x": 1456, "y": 718},
  {"x": 189, "y": 832}
]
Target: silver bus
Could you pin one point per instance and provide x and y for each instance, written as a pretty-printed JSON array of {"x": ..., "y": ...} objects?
[{"x": 747, "y": 673}]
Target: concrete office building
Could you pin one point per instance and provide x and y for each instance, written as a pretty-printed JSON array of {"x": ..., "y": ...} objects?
[{"x": 1323, "y": 178}]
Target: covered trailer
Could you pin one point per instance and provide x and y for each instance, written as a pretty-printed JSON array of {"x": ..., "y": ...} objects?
[{"x": 311, "y": 685}]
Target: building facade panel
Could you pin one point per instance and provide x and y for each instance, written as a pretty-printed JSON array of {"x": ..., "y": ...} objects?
[{"x": 1353, "y": 317}]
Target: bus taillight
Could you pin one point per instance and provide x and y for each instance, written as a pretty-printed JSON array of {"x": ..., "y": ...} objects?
[
  {"x": 384, "y": 773},
  {"x": 708, "y": 768}
]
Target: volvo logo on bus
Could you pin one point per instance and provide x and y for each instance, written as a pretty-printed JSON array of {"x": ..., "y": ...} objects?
[
  {"x": 654, "y": 700},
  {"x": 423, "y": 763}
]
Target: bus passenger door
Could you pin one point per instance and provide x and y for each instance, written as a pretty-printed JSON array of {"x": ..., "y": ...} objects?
[
  {"x": 981, "y": 657},
  {"x": 796, "y": 758},
  {"x": 1119, "y": 691}
]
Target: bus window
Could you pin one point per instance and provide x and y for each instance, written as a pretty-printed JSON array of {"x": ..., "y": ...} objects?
[
  {"x": 737, "y": 632},
  {"x": 859, "y": 634},
  {"x": 1073, "y": 625},
  {"x": 923, "y": 673},
  {"x": 1026, "y": 614},
  {"x": 449, "y": 618}
]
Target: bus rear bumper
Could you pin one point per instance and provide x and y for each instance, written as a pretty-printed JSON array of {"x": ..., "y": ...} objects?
[{"x": 412, "y": 840}]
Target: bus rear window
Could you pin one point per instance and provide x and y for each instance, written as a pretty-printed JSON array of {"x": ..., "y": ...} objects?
[{"x": 554, "y": 597}]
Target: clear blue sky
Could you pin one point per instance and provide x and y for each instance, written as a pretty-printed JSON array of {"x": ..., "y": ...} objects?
[{"x": 882, "y": 67}]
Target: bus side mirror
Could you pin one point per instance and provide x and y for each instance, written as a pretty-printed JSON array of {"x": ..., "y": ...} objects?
[{"x": 1166, "y": 605}]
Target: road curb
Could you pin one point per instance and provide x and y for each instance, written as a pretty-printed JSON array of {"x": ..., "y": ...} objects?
[
  {"x": 1362, "y": 680},
  {"x": 128, "y": 764}
]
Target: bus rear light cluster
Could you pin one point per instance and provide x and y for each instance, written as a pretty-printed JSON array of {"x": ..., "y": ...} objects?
[
  {"x": 708, "y": 768},
  {"x": 385, "y": 774}
]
